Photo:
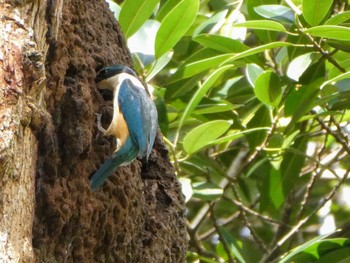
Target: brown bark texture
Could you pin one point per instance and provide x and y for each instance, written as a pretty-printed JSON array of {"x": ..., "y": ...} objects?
[
  {"x": 50, "y": 146},
  {"x": 22, "y": 82}
]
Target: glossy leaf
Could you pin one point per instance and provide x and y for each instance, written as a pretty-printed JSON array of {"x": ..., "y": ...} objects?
[
  {"x": 207, "y": 191},
  {"x": 252, "y": 72},
  {"x": 340, "y": 77},
  {"x": 256, "y": 50},
  {"x": 200, "y": 136},
  {"x": 300, "y": 101},
  {"x": 332, "y": 32},
  {"x": 276, "y": 188},
  {"x": 265, "y": 37},
  {"x": 338, "y": 18},
  {"x": 338, "y": 255},
  {"x": 175, "y": 25},
  {"x": 182, "y": 87},
  {"x": 314, "y": 11},
  {"x": 210, "y": 22},
  {"x": 213, "y": 108},
  {"x": 263, "y": 25},
  {"x": 268, "y": 88},
  {"x": 134, "y": 13},
  {"x": 159, "y": 65},
  {"x": 276, "y": 12},
  {"x": 261, "y": 118},
  {"x": 196, "y": 67},
  {"x": 239, "y": 134},
  {"x": 307, "y": 246},
  {"x": 298, "y": 66},
  {"x": 232, "y": 244},
  {"x": 166, "y": 9},
  {"x": 220, "y": 43},
  {"x": 293, "y": 161},
  {"x": 197, "y": 97}
]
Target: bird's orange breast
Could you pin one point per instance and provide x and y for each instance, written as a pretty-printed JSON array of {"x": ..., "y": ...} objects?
[{"x": 119, "y": 129}]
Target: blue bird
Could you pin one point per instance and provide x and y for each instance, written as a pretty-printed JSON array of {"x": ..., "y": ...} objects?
[{"x": 134, "y": 123}]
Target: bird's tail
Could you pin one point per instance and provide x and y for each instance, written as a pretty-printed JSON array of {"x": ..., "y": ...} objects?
[{"x": 124, "y": 155}]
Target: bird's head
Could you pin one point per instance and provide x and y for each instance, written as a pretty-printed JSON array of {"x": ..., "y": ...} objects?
[{"x": 107, "y": 78}]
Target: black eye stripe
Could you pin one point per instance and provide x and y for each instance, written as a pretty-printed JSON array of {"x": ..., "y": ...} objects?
[{"x": 111, "y": 71}]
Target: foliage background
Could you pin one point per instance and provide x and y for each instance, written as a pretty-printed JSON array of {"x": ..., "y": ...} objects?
[{"x": 253, "y": 99}]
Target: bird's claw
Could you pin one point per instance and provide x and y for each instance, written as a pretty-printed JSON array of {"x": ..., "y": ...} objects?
[{"x": 99, "y": 126}]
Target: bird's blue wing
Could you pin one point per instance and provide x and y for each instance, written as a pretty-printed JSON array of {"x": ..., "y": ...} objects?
[{"x": 140, "y": 115}]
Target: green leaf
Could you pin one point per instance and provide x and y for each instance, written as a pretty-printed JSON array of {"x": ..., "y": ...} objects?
[
  {"x": 232, "y": 244},
  {"x": 200, "y": 136},
  {"x": 163, "y": 120},
  {"x": 293, "y": 161},
  {"x": 276, "y": 188},
  {"x": 263, "y": 25},
  {"x": 297, "y": 67},
  {"x": 196, "y": 67},
  {"x": 327, "y": 246},
  {"x": 159, "y": 65},
  {"x": 214, "y": 108},
  {"x": 340, "y": 77},
  {"x": 268, "y": 88},
  {"x": 165, "y": 9},
  {"x": 210, "y": 22},
  {"x": 175, "y": 25},
  {"x": 134, "y": 13},
  {"x": 207, "y": 191},
  {"x": 265, "y": 37},
  {"x": 338, "y": 18},
  {"x": 299, "y": 101},
  {"x": 256, "y": 50},
  {"x": 276, "y": 12},
  {"x": 197, "y": 97},
  {"x": 236, "y": 135},
  {"x": 252, "y": 72},
  {"x": 338, "y": 255},
  {"x": 260, "y": 119},
  {"x": 332, "y": 32},
  {"x": 303, "y": 247},
  {"x": 314, "y": 11},
  {"x": 182, "y": 87},
  {"x": 220, "y": 43}
]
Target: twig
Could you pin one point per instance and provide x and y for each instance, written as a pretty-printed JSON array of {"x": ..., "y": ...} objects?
[
  {"x": 256, "y": 237},
  {"x": 296, "y": 228},
  {"x": 254, "y": 213},
  {"x": 222, "y": 239},
  {"x": 319, "y": 48}
]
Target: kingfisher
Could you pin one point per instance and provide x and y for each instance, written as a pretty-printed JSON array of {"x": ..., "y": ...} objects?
[{"x": 134, "y": 122}]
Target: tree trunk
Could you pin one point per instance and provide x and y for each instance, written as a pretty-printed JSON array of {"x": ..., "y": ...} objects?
[{"x": 49, "y": 146}]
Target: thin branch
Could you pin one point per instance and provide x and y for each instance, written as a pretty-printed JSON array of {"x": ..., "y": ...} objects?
[
  {"x": 256, "y": 237},
  {"x": 297, "y": 227},
  {"x": 319, "y": 48},
  {"x": 254, "y": 213},
  {"x": 221, "y": 238},
  {"x": 336, "y": 136}
]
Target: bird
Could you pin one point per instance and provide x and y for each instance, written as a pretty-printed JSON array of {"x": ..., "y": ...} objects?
[{"x": 134, "y": 123}]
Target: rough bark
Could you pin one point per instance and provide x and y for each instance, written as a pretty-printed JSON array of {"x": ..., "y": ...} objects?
[
  {"x": 138, "y": 214},
  {"x": 22, "y": 85}
]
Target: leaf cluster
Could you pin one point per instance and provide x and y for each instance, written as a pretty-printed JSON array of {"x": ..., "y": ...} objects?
[{"x": 253, "y": 99}]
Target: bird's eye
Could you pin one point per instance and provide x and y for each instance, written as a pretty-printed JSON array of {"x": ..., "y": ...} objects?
[{"x": 102, "y": 72}]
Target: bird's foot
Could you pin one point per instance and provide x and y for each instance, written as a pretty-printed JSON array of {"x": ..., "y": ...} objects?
[{"x": 99, "y": 126}]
